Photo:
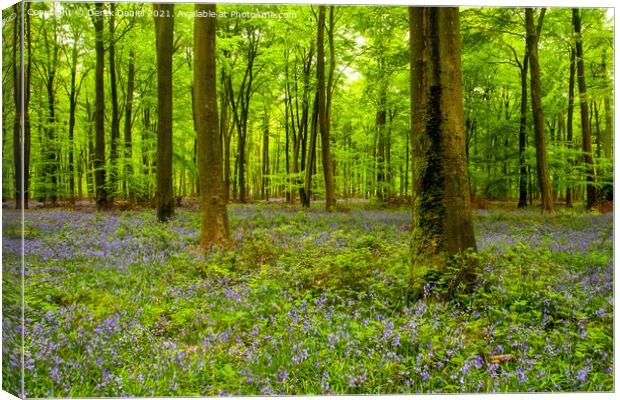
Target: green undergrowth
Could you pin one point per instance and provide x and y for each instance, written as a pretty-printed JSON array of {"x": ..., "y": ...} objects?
[{"x": 309, "y": 302}]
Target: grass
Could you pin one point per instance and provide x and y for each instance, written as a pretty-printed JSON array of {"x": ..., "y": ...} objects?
[{"x": 304, "y": 302}]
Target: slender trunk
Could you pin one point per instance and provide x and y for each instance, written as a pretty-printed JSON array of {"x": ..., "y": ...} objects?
[
  {"x": 265, "y": 164},
  {"x": 323, "y": 106},
  {"x": 597, "y": 127},
  {"x": 310, "y": 157},
  {"x": 26, "y": 110},
  {"x": 17, "y": 99},
  {"x": 522, "y": 134},
  {"x": 115, "y": 120},
  {"x": 608, "y": 130},
  {"x": 380, "y": 122},
  {"x": 583, "y": 102},
  {"x": 569, "y": 124},
  {"x": 225, "y": 136},
  {"x": 52, "y": 157},
  {"x": 542, "y": 168},
  {"x": 99, "y": 159},
  {"x": 128, "y": 125}
]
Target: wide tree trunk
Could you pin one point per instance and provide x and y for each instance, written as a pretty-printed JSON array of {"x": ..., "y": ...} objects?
[
  {"x": 542, "y": 168},
  {"x": 442, "y": 225},
  {"x": 164, "y": 30},
  {"x": 99, "y": 159},
  {"x": 214, "y": 227},
  {"x": 585, "y": 113}
]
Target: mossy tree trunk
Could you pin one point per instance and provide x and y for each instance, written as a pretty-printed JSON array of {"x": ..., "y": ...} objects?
[
  {"x": 214, "y": 228},
  {"x": 442, "y": 225}
]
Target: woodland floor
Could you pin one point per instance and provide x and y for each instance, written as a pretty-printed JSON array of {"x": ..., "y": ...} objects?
[{"x": 303, "y": 302}]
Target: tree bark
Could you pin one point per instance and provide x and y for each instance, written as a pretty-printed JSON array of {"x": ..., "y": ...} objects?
[
  {"x": 26, "y": 110},
  {"x": 99, "y": 159},
  {"x": 214, "y": 227},
  {"x": 72, "y": 109},
  {"x": 522, "y": 133},
  {"x": 265, "y": 166},
  {"x": 115, "y": 119},
  {"x": 585, "y": 123},
  {"x": 442, "y": 225},
  {"x": 225, "y": 135},
  {"x": 128, "y": 125},
  {"x": 164, "y": 29},
  {"x": 542, "y": 169},
  {"x": 569, "y": 123},
  {"x": 17, "y": 100},
  {"x": 306, "y": 191},
  {"x": 324, "y": 107}
]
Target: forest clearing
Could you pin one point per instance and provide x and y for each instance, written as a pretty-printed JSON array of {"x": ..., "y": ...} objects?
[{"x": 270, "y": 199}]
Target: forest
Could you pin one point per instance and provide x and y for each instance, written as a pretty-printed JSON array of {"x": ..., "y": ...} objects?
[{"x": 306, "y": 199}]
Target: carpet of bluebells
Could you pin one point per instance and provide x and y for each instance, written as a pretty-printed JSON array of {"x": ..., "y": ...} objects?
[{"x": 304, "y": 302}]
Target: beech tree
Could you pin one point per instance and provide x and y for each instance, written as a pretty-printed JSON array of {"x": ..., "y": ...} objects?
[
  {"x": 586, "y": 126},
  {"x": 164, "y": 31},
  {"x": 99, "y": 158},
  {"x": 324, "y": 105},
  {"x": 442, "y": 225},
  {"x": 542, "y": 168},
  {"x": 214, "y": 227}
]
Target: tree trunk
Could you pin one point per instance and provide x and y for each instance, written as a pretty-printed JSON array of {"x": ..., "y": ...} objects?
[
  {"x": 585, "y": 124},
  {"x": 306, "y": 192},
  {"x": 597, "y": 128},
  {"x": 442, "y": 224},
  {"x": 225, "y": 136},
  {"x": 324, "y": 108},
  {"x": 523, "y": 133},
  {"x": 542, "y": 169},
  {"x": 569, "y": 123},
  {"x": 380, "y": 122},
  {"x": 99, "y": 159},
  {"x": 17, "y": 99},
  {"x": 608, "y": 130},
  {"x": 214, "y": 227},
  {"x": 129, "y": 179},
  {"x": 26, "y": 110},
  {"x": 164, "y": 29},
  {"x": 115, "y": 120},
  {"x": 265, "y": 166},
  {"x": 52, "y": 156},
  {"x": 72, "y": 109}
]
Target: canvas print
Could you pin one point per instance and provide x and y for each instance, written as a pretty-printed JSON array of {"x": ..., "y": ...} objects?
[{"x": 306, "y": 199}]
